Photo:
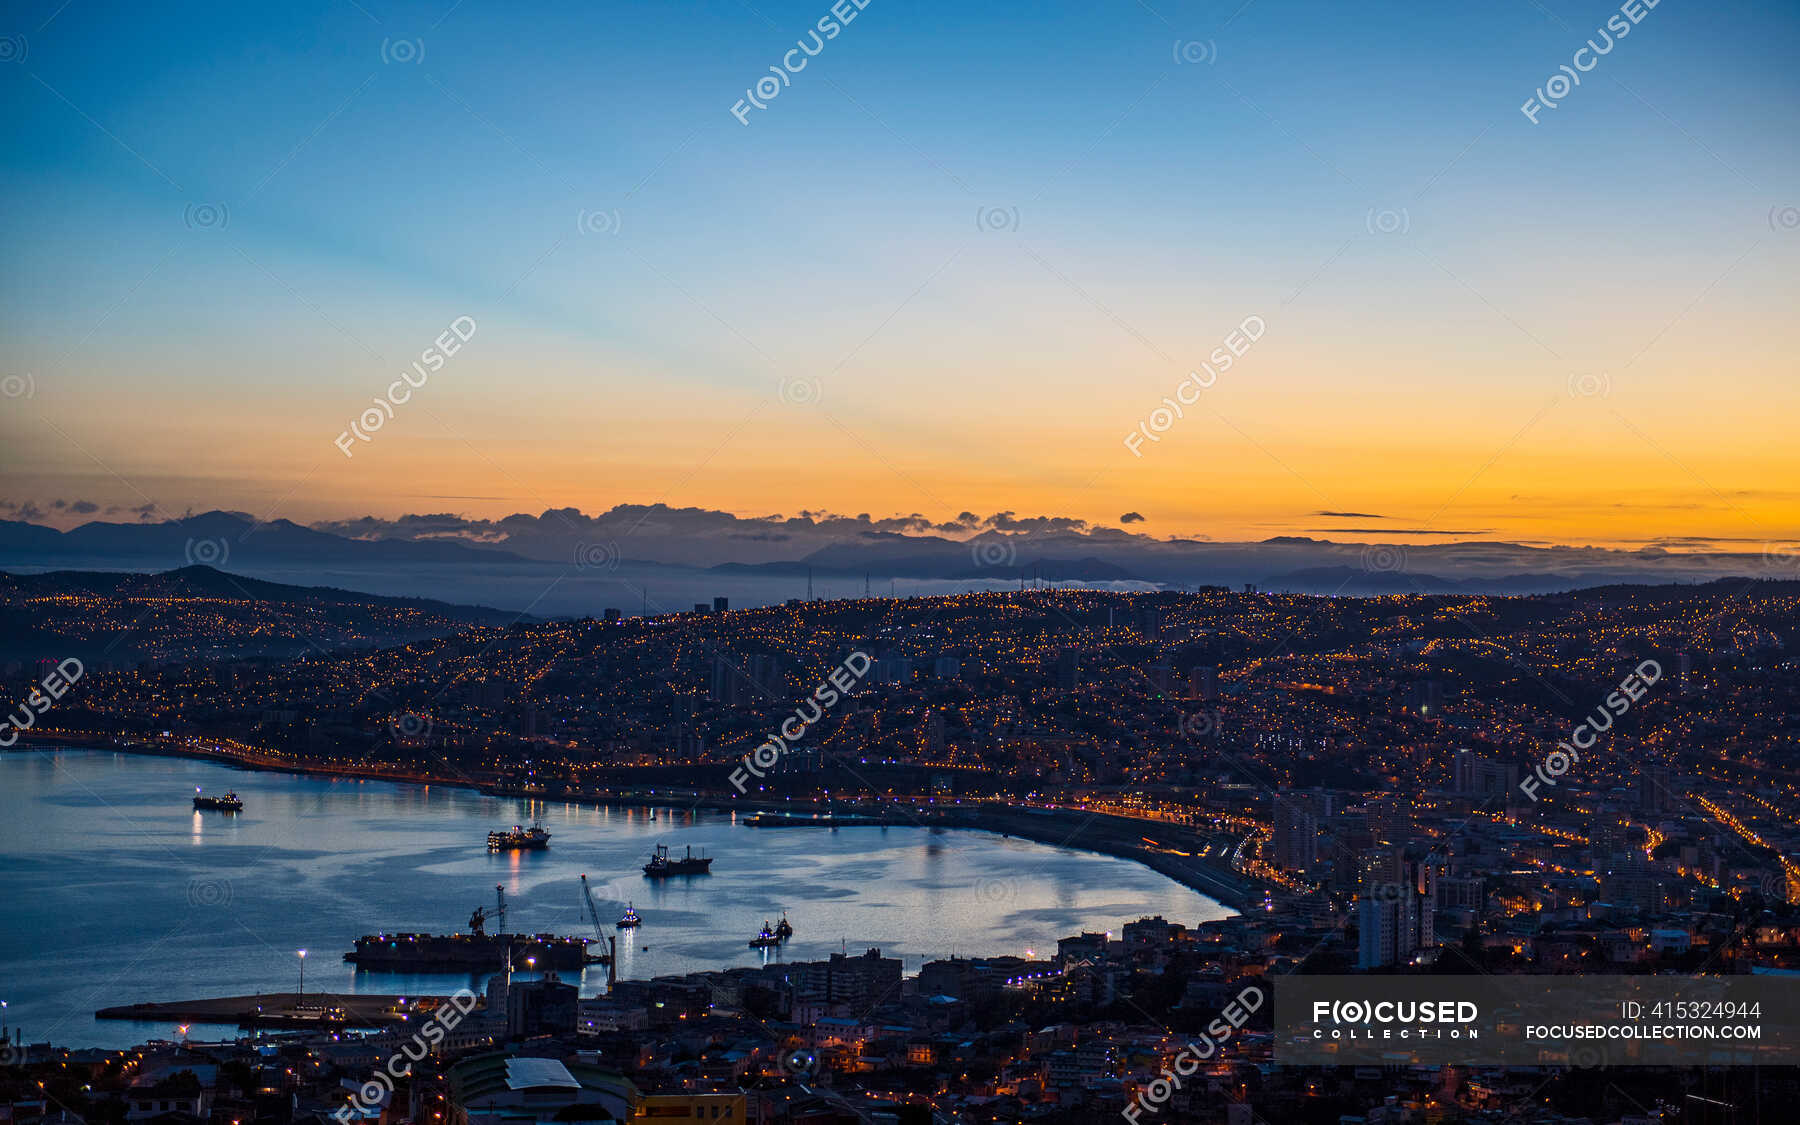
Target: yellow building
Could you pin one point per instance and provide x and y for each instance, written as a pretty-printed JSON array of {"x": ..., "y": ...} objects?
[{"x": 678, "y": 1109}]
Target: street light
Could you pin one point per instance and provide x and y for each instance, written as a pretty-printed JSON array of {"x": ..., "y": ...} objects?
[{"x": 302, "y": 954}]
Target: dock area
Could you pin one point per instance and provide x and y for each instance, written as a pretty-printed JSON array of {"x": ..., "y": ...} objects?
[{"x": 283, "y": 1009}]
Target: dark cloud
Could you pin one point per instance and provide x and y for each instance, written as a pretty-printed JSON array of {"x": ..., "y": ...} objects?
[
  {"x": 1008, "y": 521},
  {"x": 75, "y": 507},
  {"x": 1131, "y": 517},
  {"x": 1397, "y": 531},
  {"x": 1352, "y": 516}
]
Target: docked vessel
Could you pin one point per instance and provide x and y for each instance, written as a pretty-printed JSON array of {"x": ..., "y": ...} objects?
[
  {"x": 474, "y": 952},
  {"x": 630, "y": 921},
  {"x": 661, "y": 866},
  {"x": 519, "y": 839},
  {"x": 228, "y": 803}
]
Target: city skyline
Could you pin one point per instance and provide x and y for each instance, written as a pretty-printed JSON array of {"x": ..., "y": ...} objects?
[{"x": 860, "y": 562}]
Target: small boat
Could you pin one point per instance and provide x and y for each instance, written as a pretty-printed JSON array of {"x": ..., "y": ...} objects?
[
  {"x": 533, "y": 839},
  {"x": 765, "y": 939},
  {"x": 228, "y": 803},
  {"x": 782, "y": 929},
  {"x": 631, "y": 919}
]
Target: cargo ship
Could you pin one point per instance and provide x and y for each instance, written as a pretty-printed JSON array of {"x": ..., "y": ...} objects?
[
  {"x": 474, "y": 952},
  {"x": 520, "y": 839},
  {"x": 661, "y": 866},
  {"x": 228, "y": 803}
]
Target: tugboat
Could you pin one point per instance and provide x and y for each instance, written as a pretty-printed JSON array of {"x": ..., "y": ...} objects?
[
  {"x": 228, "y": 803},
  {"x": 661, "y": 866},
  {"x": 520, "y": 839},
  {"x": 631, "y": 921},
  {"x": 766, "y": 939},
  {"x": 782, "y": 929}
]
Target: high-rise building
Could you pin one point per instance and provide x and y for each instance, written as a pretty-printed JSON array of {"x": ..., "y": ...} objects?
[
  {"x": 1390, "y": 818},
  {"x": 1475, "y": 776},
  {"x": 894, "y": 670},
  {"x": 740, "y": 680},
  {"x": 859, "y": 982},
  {"x": 934, "y": 732},
  {"x": 1300, "y": 842},
  {"x": 1655, "y": 789},
  {"x": 1396, "y": 907},
  {"x": 1425, "y": 698},
  {"x": 1203, "y": 682}
]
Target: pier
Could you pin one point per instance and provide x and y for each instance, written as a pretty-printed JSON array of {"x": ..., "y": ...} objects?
[{"x": 282, "y": 1009}]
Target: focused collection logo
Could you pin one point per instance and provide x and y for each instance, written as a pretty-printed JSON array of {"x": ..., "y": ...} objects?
[{"x": 1396, "y": 1019}]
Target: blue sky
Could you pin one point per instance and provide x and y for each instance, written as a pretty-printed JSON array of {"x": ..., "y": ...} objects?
[{"x": 1146, "y": 205}]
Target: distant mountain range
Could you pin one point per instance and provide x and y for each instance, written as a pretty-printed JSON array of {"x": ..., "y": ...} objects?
[
  {"x": 563, "y": 561},
  {"x": 221, "y": 538}
]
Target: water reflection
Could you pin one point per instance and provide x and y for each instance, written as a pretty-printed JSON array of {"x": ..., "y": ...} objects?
[{"x": 101, "y": 851}]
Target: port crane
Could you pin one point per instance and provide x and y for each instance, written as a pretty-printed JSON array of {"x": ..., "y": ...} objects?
[
  {"x": 478, "y": 920},
  {"x": 612, "y": 960},
  {"x": 587, "y": 896}
]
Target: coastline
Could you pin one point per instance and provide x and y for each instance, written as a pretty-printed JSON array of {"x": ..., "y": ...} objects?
[{"x": 1099, "y": 833}]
